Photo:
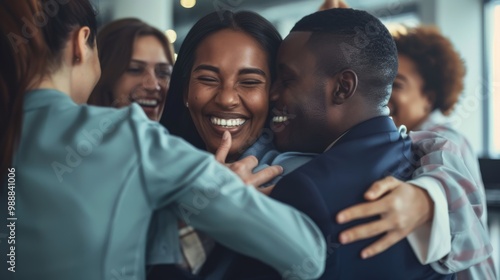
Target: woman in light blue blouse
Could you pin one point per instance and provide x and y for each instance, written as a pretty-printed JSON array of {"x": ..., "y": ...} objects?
[{"x": 88, "y": 179}]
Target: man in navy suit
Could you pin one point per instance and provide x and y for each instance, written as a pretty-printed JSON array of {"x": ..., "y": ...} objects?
[{"x": 335, "y": 72}]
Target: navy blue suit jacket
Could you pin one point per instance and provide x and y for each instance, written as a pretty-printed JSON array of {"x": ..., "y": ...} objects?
[{"x": 334, "y": 181}]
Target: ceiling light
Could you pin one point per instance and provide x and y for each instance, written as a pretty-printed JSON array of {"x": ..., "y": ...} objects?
[
  {"x": 188, "y": 3},
  {"x": 171, "y": 35}
]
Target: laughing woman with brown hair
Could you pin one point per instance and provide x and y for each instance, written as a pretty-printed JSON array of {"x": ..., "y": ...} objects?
[{"x": 136, "y": 63}]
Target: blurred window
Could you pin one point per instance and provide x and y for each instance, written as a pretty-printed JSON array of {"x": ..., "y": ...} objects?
[{"x": 492, "y": 31}]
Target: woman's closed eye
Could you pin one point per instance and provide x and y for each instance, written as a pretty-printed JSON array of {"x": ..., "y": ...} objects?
[
  {"x": 251, "y": 82},
  {"x": 163, "y": 74},
  {"x": 207, "y": 79},
  {"x": 397, "y": 85},
  {"x": 135, "y": 70}
]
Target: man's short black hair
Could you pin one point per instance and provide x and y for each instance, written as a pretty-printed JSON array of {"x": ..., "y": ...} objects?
[{"x": 354, "y": 39}]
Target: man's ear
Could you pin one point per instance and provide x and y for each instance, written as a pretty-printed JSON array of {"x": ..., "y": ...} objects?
[
  {"x": 81, "y": 47},
  {"x": 346, "y": 83}
]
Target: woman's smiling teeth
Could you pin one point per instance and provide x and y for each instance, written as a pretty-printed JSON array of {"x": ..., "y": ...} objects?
[
  {"x": 280, "y": 119},
  {"x": 147, "y": 102},
  {"x": 227, "y": 122}
]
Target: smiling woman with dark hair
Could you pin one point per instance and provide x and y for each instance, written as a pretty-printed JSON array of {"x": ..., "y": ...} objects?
[
  {"x": 220, "y": 82},
  {"x": 233, "y": 52}
]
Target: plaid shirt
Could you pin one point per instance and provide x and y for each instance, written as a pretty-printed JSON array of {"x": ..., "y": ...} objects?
[{"x": 455, "y": 168}]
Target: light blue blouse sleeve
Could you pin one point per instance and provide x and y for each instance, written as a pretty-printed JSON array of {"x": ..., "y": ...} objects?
[
  {"x": 209, "y": 197},
  {"x": 288, "y": 160},
  {"x": 250, "y": 223}
]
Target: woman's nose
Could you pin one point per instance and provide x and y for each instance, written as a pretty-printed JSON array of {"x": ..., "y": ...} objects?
[
  {"x": 151, "y": 82},
  {"x": 227, "y": 97}
]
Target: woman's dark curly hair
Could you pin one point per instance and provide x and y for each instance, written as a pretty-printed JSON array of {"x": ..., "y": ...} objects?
[{"x": 437, "y": 61}]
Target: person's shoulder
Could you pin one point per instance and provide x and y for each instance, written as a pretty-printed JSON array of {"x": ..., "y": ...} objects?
[
  {"x": 442, "y": 125},
  {"x": 451, "y": 134},
  {"x": 445, "y": 130},
  {"x": 302, "y": 177},
  {"x": 291, "y": 161},
  {"x": 295, "y": 184},
  {"x": 129, "y": 117},
  {"x": 120, "y": 127},
  {"x": 121, "y": 114},
  {"x": 441, "y": 138}
]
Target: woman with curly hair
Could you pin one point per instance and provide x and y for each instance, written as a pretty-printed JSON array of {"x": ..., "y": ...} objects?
[
  {"x": 430, "y": 77},
  {"x": 426, "y": 89}
]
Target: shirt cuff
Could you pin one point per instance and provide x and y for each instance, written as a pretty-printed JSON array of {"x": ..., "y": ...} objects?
[{"x": 432, "y": 240}]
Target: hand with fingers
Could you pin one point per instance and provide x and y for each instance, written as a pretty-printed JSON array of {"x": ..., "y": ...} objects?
[
  {"x": 244, "y": 167},
  {"x": 402, "y": 208},
  {"x": 332, "y": 4}
]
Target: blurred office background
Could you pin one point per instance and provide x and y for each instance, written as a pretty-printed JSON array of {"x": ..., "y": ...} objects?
[{"x": 472, "y": 25}]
